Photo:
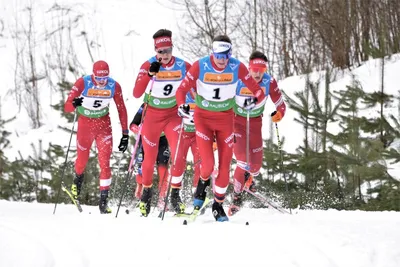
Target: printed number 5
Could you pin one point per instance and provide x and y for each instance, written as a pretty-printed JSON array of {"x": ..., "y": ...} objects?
[{"x": 97, "y": 103}]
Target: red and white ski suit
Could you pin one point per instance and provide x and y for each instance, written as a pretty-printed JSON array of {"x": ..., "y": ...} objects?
[
  {"x": 161, "y": 116},
  {"x": 96, "y": 102},
  {"x": 213, "y": 116},
  {"x": 270, "y": 87}
]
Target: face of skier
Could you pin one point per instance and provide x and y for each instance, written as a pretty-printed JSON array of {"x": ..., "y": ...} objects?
[
  {"x": 220, "y": 60},
  {"x": 101, "y": 81},
  {"x": 257, "y": 68},
  {"x": 100, "y": 73},
  {"x": 165, "y": 53},
  {"x": 257, "y": 73},
  {"x": 221, "y": 52}
]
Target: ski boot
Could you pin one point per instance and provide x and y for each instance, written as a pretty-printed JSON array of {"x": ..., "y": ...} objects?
[
  {"x": 236, "y": 204},
  {"x": 249, "y": 182},
  {"x": 77, "y": 185},
  {"x": 104, "y": 209},
  {"x": 176, "y": 201},
  {"x": 145, "y": 201},
  {"x": 218, "y": 212},
  {"x": 200, "y": 195}
]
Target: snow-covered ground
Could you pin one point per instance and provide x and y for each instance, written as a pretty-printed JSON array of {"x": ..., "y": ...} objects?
[{"x": 31, "y": 236}]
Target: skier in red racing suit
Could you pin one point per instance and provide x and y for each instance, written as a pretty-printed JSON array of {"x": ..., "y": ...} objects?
[
  {"x": 158, "y": 79},
  {"x": 245, "y": 171},
  {"x": 215, "y": 79},
  {"x": 90, "y": 97}
]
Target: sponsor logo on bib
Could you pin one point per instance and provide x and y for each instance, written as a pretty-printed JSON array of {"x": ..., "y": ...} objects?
[
  {"x": 98, "y": 93},
  {"x": 246, "y": 91},
  {"x": 156, "y": 101},
  {"x": 219, "y": 78},
  {"x": 169, "y": 75}
]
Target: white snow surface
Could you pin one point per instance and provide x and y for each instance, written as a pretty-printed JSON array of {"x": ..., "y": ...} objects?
[{"x": 31, "y": 236}]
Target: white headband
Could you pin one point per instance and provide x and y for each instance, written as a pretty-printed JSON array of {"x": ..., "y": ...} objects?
[{"x": 221, "y": 47}]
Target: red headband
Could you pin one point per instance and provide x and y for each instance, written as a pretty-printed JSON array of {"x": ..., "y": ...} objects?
[
  {"x": 257, "y": 63},
  {"x": 163, "y": 41}
]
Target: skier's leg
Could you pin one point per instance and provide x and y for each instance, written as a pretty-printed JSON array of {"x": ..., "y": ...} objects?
[
  {"x": 196, "y": 158},
  {"x": 175, "y": 140},
  {"x": 204, "y": 141},
  {"x": 104, "y": 144},
  {"x": 224, "y": 137},
  {"x": 239, "y": 149},
  {"x": 163, "y": 157},
  {"x": 256, "y": 151},
  {"x": 151, "y": 131},
  {"x": 84, "y": 141}
]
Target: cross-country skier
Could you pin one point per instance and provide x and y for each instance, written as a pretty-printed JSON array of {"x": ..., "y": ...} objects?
[
  {"x": 161, "y": 115},
  {"x": 91, "y": 96},
  {"x": 215, "y": 79},
  {"x": 257, "y": 68},
  {"x": 162, "y": 161}
]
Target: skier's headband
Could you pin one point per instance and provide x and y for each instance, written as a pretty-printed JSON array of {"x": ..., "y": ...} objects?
[
  {"x": 162, "y": 41},
  {"x": 222, "y": 50},
  {"x": 220, "y": 47},
  {"x": 258, "y": 65}
]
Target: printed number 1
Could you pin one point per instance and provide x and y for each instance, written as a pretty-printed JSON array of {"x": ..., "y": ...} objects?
[{"x": 216, "y": 95}]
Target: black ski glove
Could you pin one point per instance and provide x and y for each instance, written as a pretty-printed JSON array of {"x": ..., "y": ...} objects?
[
  {"x": 77, "y": 101},
  {"x": 154, "y": 68},
  {"x": 250, "y": 103},
  {"x": 123, "y": 145},
  {"x": 183, "y": 111}
]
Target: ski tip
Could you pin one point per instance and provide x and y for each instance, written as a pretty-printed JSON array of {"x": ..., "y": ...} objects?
[
  {"x": 247, "y": 223},
  {"x": 184, "y": 222}
]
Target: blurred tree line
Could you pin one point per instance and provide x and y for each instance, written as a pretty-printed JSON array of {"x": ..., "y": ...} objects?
[{"x": 344, "y": 170}]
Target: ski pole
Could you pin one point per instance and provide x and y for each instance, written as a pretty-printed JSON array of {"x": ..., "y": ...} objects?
[
  {"x": 65, "y": 163},
  {"x": 132, "y": 163},
  {"x": 248, "y": 140},
  {"x": 116, "y": 178},
  {"x": 284, "y": 173},
  {"x": 172, "y": 167}
]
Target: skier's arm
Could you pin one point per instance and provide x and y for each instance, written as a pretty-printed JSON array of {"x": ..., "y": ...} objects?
[
  {"x": 276, "y": 97},
  {"x": 119, "y": 102},
  {"x": 188, "y": 66},
  {"x": 189, "y": 82},
  {"x": 137, "y": 120},
  {"x": 76, "y": 91},
  {"x": 253, "y": 86},
  {"x": 142, "y": 80}
]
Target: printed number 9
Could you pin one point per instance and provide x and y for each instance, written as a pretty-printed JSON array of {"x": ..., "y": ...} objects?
[
  {"x": 97, "y": 103},
  {"x": 168, "y": 89}
]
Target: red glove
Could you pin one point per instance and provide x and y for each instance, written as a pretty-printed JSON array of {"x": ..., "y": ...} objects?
[
  {"x": 134, "y": 128},
  {"x": 276, "y": 116}
]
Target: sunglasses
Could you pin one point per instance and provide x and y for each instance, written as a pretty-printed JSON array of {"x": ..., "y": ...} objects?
[
  {"x": 258, "y": 69},
  {"x": 222, "y": 55},
  {"x": 101, "y": 79},
  {"x": 165, "y": 51}
]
